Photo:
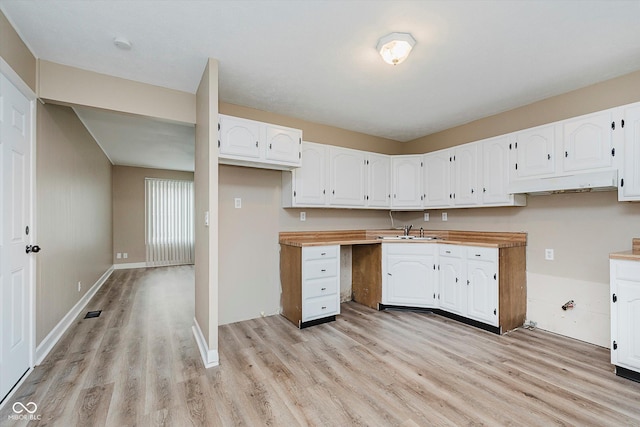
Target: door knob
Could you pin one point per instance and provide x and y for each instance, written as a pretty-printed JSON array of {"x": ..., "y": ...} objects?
[{"x": 35, "y": 249}]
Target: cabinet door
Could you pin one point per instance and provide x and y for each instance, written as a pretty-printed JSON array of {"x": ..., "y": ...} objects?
[
  {"x": 347, "y": 177},
  {"x": 533, "y": 153},
  {"x": 452, "y": 298},
  {"x": 629, "y": 179},
  {"x": 407, "y": 181},
  {"x": 437, "y": 179},
  {"x": 495, "y": 172},
  {"x": 239, "y": 137},
  {"x": 587, "y": 142},
  {"x": 378, "y": 180},
  {"x": 625, "y": 314},
  {"x": 465, "y": 167},
  {"x": 283, "y": 144},
  {"x": 309, "y": 180},
  {"x": 482, "y": 291},
  {"x": 409, "y": 274}
]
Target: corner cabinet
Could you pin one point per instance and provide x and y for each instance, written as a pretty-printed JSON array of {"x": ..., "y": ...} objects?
[
  {"x": 483, "y": 286},
  {"x": 625, "y": 317},
  {"x": 409, "y": 275},
  {"x": 244, "y": 142},
  {"x": 407, "y": 182},
  {"x": 310, "y": 278}
]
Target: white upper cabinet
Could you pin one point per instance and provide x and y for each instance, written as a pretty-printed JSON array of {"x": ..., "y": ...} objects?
[
  {"x": 437, "y": 179},
  {"x": 246, "y": 142},
  {"x": 587, "y": 142},
  {"x": 347, "y": 177},
  {"x": 407, "y": 181},
  {"x": 494, "y": 173},
  {"x": 378, "y": 180},
  {"x": 307, "y": 185},
  {"x": 629, "y": 176},
  {"x": 465, "y": 175},
  {"x": 239, "y": 137},
  {"x": 283, "y": 144},
  {"x": 533, "y": 153}
]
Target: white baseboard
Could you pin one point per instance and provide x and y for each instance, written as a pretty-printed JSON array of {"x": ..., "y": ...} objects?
[
  {"x": 209, "y": 357},
  {"x": 128, "y": 265},
  {"x": 54, "y": 336}
]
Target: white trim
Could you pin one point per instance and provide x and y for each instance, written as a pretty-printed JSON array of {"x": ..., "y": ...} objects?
[
  {"x": 128, "y": 265},
  {"x": 54, "y": 336},
  {"x": 15, "y": 388},
  {"x": 209, "y": 357}
]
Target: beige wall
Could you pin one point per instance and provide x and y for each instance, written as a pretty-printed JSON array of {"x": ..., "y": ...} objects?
[
  {"x": 611, "y": 93},
  {"x": 249, "y": 249},
  {"x": 129, "y": 209},
  {"x": 74, "y": 228},
  {"x": 315, "y": 132},
  {"x": 74, "y": 86},
  {"x": 16, "y": 53},
  {"x": 206, "y": 200}
]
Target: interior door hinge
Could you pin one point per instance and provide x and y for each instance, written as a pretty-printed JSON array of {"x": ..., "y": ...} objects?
[
  {"x": 495, "y": 276},
  {"x": 613, "y": 152},
  {"x": 218, "y": 126},
  {"x": 294, "y": 193},
  {"x": 614, "y": 298},
  {"x": 615, "y": 345},
  {"x": 621, "y": 182},
  {"x": 218, "y": 143},
  {"x": 622, "y": 123},
  {"x": 516, "y": 166},
  {"x": 613, "y": 125},
  {"x": 299, "y": 155}
]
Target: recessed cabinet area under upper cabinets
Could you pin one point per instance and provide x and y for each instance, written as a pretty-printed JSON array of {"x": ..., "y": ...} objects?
[{"x": 244, "y": 142}]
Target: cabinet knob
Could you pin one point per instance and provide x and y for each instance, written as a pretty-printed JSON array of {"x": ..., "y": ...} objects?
[
  {"x": 323, "y": 253},
  {"x": 324, "y": 307},
  {"x": 256, "y": 144},
  {"x": 269, "y": 146},
  {"x": 548, "y": 156},
  {"x": 468, "y": 282},
  {"x": 323, "y": 289},
  {"x": 324, "y": 270}
]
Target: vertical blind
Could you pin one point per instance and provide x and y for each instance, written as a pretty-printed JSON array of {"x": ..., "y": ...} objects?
[{"x": 169, "y": 222}]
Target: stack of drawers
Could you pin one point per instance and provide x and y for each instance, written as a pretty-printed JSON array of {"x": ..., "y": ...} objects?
[
  {"x": 320, "y": 282},
  {"x": 310, "y": 279}
]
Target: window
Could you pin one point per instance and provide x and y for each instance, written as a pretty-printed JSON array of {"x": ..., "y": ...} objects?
[{"x": 169, "y": 222}]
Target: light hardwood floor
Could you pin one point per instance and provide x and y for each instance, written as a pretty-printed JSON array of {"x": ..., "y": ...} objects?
[{"x": 138, "y": 364}]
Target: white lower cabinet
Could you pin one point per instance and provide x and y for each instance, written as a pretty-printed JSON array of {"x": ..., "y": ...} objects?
[
  {"x": 310, "y": 279},
  {"x": 625, "y": 317},
  {"x": 451, "y": 273},
  {"x": 408, "y": 275},
  {"x": 462, "y": 280},
  {"x": 482, "y": 284}
]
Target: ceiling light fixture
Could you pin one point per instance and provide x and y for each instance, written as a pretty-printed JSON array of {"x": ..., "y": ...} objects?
[
  {"x": 395, "y": 47},
  {"x": 122, "y": 43}
]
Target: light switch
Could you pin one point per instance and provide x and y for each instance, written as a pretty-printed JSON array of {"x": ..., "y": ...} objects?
[
  {"x": 426, "y": 216},
  {"x": 238, "y": 202},
  {"x": 445, "y": 217},
  {"x": 303, "y": 216},
  {"x": 548, "y": 254}
]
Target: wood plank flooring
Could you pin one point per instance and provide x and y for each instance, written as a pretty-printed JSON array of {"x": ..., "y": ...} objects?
[{"x": 138, "y": 365}]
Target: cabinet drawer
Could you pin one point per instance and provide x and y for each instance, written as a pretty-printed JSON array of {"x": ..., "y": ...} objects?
[
  {"x": 316, "y": 269},
  {"x": 451, "y": 250},
  {"x": 319, "y": 287},
  {"x": 320, "y": 252},
  {"x": 320, "y": 307},
  {"x": 485, "y": 254}
]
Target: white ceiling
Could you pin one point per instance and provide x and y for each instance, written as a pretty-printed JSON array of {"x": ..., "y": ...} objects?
[{"x": 316, "y": 60}]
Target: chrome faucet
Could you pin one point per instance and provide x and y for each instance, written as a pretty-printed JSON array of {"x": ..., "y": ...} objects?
[{"x": 407, "y": 229}]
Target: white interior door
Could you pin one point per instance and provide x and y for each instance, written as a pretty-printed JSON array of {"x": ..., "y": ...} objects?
[{"x": 15, "y": 198}]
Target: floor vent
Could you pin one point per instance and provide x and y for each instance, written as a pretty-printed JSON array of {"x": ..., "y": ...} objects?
[{"x": 93, "y": 314}]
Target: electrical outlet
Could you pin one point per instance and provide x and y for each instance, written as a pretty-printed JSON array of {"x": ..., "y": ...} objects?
[
  {"x": 79, "y": 286},
  {"x": 303, "y": 216},
  {"x": 238, "y": 202},
  {"x": 445, "y": 217},
  {"x": 125, "y": 255},
  {"x": 426, "y": 216},
  {"x": 548, "y": 254},
  {"x": 119, "y": 255}
]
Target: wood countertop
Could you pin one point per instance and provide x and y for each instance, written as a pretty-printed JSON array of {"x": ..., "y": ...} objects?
[
  {"x": 370, "y": 237},
  {"x": 632, "y": 255}
]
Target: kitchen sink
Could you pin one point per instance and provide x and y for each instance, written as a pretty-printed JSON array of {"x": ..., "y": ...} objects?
[{"x": 408, "y": 238}]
